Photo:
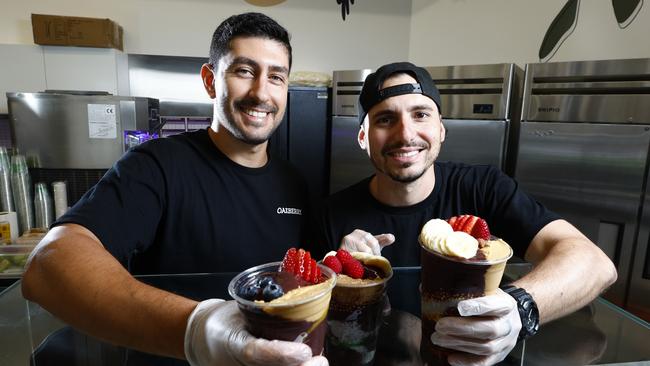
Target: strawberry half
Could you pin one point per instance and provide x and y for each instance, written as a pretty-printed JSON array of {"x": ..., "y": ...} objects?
[
  {"x": 300, "y": 263},
  {"x": 473, "y": 225},
  {"x": 289, "y": 261},
  {"x": 481, "y": 230},
  {"x": 468, "y": 224},
  {"x": 308, "y": 267},
  {"x": 315, "y": 273},
  {"x": 460, "y": 224},
  {"x": 452, "y": 220},
  {"x": 303, "y": 265}
]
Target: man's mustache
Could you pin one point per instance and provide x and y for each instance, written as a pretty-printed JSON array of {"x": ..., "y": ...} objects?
[
  {"x": 399, "y": 145},
  {"x": 252, "y": 103}
]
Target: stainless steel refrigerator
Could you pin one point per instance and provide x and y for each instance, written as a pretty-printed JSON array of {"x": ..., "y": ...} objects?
[
  {"x": 583, "y": 152},
  {"x": 348, "y": 163},
  {"x": 302, "y": 137},
  {"x": 480, "y": 108}
]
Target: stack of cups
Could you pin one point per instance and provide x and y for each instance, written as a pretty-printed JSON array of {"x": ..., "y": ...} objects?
[
  {"x": 60, "y": 198},
  {"x": 21, "y": 185},
  {"x": 6, "y": 198},
  {"x": 42, "y": 206}
]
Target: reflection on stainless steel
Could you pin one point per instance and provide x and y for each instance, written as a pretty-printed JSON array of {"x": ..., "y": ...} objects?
[
  {"x": 176, "y": 82},
  {"x": 583, "y": 152},
  {"x": 481, "y": 113},
  {"x": 464, "y": 143},
  {"x": 55, "y": 129},
  {"x": 348, "y": 163},
  {"x": 639, "y": 297}
]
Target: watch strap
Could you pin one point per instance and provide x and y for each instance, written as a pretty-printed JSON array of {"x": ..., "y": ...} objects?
[{"x": 528, "y": 312}]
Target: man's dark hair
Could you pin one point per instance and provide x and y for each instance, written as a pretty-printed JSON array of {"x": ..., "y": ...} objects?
[{"x": 246, "y": 25}]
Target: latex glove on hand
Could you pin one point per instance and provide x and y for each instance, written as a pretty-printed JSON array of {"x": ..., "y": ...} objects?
[
  {"x": 363, "y": 241},
  {"x": 487, "y": 328},
  {"x": 216, "y": 335}
]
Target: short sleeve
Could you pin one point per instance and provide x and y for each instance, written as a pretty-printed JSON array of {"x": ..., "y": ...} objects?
[
  {"x": 125, "y": 207},
  {"x": 513, "y": 214}
]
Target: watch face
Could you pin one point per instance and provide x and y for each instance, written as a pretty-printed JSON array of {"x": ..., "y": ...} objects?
[{"x": 530, "y": 321}]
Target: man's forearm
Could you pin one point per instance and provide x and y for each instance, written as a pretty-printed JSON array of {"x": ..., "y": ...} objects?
[
  {"x": 76, "y": 279},
  {"x": 570, "y": 271}
]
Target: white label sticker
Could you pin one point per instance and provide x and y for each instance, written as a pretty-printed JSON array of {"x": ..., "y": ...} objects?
[{"x": 102, "y": 123}]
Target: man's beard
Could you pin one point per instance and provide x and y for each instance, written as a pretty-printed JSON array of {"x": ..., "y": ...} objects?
[
  {"x": 408, "y": 177},
  {"x": 226, "y": 119}
]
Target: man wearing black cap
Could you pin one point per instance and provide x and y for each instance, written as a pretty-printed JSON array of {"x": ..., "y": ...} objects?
[{"x": 401, "y": 129}]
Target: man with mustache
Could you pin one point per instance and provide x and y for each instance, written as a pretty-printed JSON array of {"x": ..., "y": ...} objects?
[
  {"x": 203, "y": 201},
  {"x": 402, "y": 131}
]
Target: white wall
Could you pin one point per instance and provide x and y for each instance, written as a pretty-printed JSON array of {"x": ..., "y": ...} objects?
[
  {"x": 322, "y": 41},
  {"x": 464, "y": 32},
  {"x": 428, "y": 32}
]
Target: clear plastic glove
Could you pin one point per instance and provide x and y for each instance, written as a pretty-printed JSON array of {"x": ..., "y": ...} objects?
[
  {"x": 215, "y": 335},
  {"x": 363, "y": 241},
  {"x": 487, "y": 328}
]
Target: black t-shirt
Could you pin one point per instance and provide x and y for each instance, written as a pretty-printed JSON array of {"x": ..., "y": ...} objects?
[
  {"x": 179, "y": 205},
  {"x": 479, "y": 190}
]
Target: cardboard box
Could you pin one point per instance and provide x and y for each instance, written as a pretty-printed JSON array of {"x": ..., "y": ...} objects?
[{"x": 76, "y": 31}]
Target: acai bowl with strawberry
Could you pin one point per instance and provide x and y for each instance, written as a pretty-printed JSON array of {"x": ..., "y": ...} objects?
[{"x": 286, "y": 300}]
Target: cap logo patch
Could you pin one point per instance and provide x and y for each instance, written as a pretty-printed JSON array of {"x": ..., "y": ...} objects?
[{"x": 399, "y": 90}]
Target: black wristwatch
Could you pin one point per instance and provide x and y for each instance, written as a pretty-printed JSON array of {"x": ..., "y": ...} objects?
[{"x": 527, "y": 311}]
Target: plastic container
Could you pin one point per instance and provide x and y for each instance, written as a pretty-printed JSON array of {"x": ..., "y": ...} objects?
[
  {"x": 13, "y": 259},
  {"x": 6, "y": 197},
  {"x": 21, "y": 185},
  {"x": 43, "y": 210}
]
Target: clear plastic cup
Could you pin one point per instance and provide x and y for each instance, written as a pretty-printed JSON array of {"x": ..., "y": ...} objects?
[
  {"x": 445, "y": 282},
  {"x": 354, "y": 320},
  {"x": 299, "y": 317}
]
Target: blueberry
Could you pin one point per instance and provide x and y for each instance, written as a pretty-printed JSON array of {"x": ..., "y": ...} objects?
[
  {"x": 265, "y": 281},
  {"x": 249, "y": 292},
  {"x": 272, "y": 291}
]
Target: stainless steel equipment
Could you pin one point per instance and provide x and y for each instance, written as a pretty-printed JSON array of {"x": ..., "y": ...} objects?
[
  {"x": 81, "y": 131},
  {"x": 76, "y": 136},
  {"x": 176, "y": 82},
  {"x": 583, "y": 152},
  {"x": 480, "y": 108},
  {"x": 301, "y": 138},
  {"x": 348, "y": 163}
]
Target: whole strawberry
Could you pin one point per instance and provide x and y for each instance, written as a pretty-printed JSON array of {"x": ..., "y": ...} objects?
[
  {"x": 333, "y": 263},
  {"x": 353, "y": 268},
  {"x": 344, "y": 256}
]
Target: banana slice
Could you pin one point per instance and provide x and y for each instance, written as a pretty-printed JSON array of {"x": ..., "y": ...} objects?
[
  {"x": 377, "y": 261},
  {"x": 461, "y": 244},
  {"x": 433, "y": 232}
]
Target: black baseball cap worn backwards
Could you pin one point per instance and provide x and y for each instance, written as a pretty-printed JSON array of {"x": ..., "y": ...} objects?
[{"x": 372, "y": 94}]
